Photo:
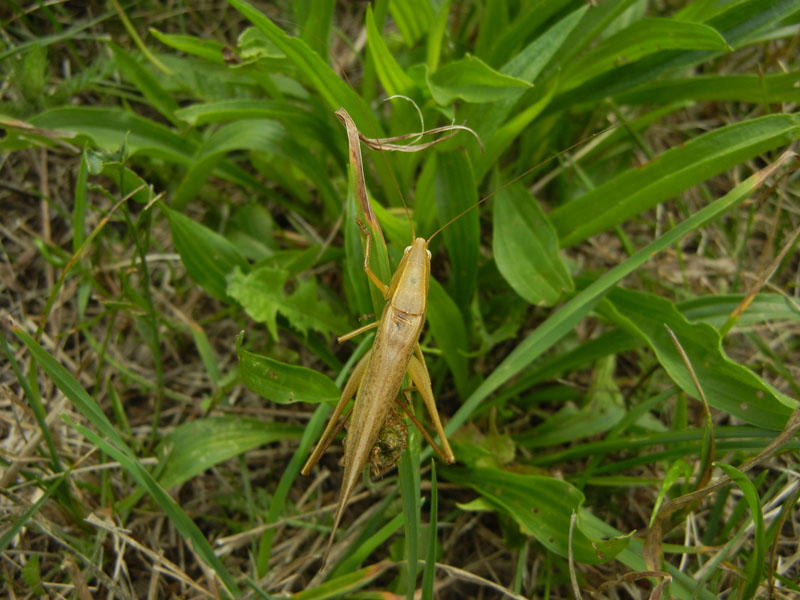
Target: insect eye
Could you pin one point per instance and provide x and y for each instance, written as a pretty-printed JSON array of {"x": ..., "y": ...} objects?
[
  {"x": 407, "y": 250},
  {"x": 429, "y": 253}
]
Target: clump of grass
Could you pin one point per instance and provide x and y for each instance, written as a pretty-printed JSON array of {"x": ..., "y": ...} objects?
[{"x": 612, "y": 334}]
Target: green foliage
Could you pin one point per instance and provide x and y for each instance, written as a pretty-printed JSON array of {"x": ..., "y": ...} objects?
[{"x": 630, "y": 179}]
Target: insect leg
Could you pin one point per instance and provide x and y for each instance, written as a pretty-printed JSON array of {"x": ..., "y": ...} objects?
[
  {"x": 384, "y": 289},
  {"x": 422, "y": 380},
  {"x": 350, "y": 389},
  {"x": 405, "y": 406},
  {"x": 356, "y": 332}
]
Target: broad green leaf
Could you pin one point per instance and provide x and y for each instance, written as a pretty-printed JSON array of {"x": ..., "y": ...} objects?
[
  {"x": 251, "y": 230},
  {"x": 112, "y": 444},
  {"x": 530, "y": 18},
  {"x": 314, "y": 17},
  {"x": 526, "y": 65},
  {"x": 765, "y": 308},
  {"x": 494, "y": 17},
  {"x": 393, "y": 78},
  {"x": 504, "y": 136},
  {"x": 604, "y": 409},
  {"x": 255, "y": 135},
  {"x": 542, "y": 507},
  {"x": 525, "y": 247},
  {"x": 31, "y": 72},
  {"x": 143, "y": 79},
  {"x": 109, "y": 128},
  {"x": 311, "y": 311},
  {"x": 643, "y": 37},
  {"x": 755, "y": 563},
  {"x": 338, "y": 586},
  {"x": 677, "y": 169},
  {"x": 746, "y": 19},
  {"x": 193, "y": 447},
  {"x": 31, "y": 572},
  {"x": 699, "y": 11},
  {"x": 408, "y": 474},
  {"x": 455, "y": 193},
  {"x": 254, "y": 44},
  {"x": 728, "y": 386},
  {"x": 128, "y": 182},
  {"x": 472, "y": 80},
  {"x": 261, "y": 294},
  {"x": 436, "y": 35},
  {"x": 595, "y": 24},
  {"x": 235, "y": 109},
  {"x": 208, "y": 49},
  {"x": 412, "y": 17},
  {"x": 569, "y": 315},
  {"x": 358, "y": 290},
  {"x": 739, "y": 22},
  {"x": 333, "y": 90},
  {"x": 208, "y": 257},
  {"x": 714, "y": 310},
  {"x": 396, "y": 227},
  {"x": 282, "y": 383},
  {"x": 679, "y": 469},
  {"x": 447, "y": 327},
  {"x": 757, "y": 89},
  {"x": 430, "y": 557}
]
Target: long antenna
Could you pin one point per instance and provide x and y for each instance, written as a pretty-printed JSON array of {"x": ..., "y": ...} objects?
[{"x": 518, "y": 177}]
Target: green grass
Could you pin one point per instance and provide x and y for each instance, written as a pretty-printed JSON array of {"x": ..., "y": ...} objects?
[{"x": 612, "y": 334}]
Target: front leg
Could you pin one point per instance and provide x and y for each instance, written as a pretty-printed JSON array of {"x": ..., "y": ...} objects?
[
  {"x": 422, "y": 381},
  {"x": 367, "y": 269}
]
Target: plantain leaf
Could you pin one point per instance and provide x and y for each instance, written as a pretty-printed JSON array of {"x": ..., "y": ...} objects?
[
  {"x": 472, "y": 80},
  {"x": 333, "y": 90},
  {"x": 109, "y": 128},
  {"x": 637, "y": 190},
  {"x": 727, "y": 385},
  {"x": 393, "y": 78},
  {"x": 562, "y": 321},
  {"x": 525, "y": 248},
  {"x": 193, "y": 447},
  {"x": 208, "y": 49},
  {"x": 542, "y": 507},
  {"x": 755, "y": 563},
  {"x": 139, "y": 76},
  {"x": 208, "y": 257},
  {"x": 447, "y": 327},
  {"x": 758, "y": 89},
  {"x": 455, "y": 192},
  {"x": 412, "y": 17},
  {"x": 282, "y": 383},
  {"x": 641, "y": 38}
]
